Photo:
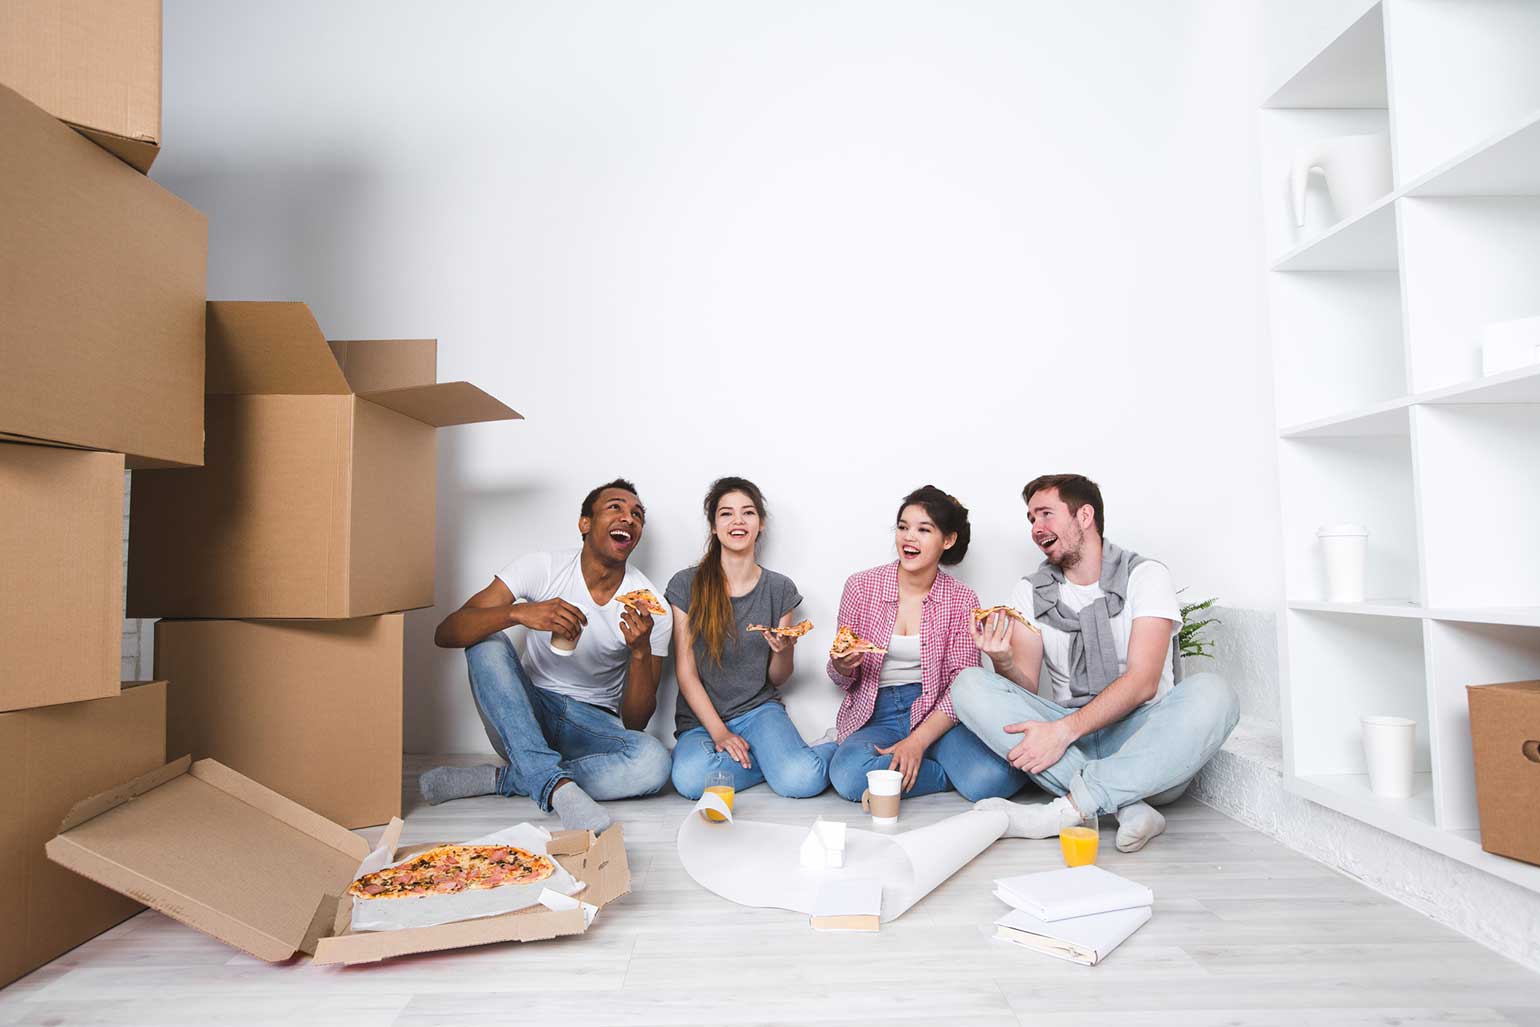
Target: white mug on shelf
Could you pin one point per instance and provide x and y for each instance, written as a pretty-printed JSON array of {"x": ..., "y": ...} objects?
[
  {"x": 1390, "y": 747},
  {"x": 1345, "y": 548}
]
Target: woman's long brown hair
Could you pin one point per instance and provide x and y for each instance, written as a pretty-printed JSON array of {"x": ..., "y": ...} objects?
[{"x": 711, "y": 608}]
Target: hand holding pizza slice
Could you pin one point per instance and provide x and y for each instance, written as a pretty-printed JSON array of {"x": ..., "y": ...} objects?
[
  {"x": 981, "y": 614},
  {"x": 790, "y": 631},
  {"x": 642, "y": 601},
  {"x": 848, "y": 643}
]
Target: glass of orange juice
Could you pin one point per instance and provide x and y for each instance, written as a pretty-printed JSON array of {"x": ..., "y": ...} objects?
[
  {"x": 720, "y": 784},
  {"x": 1079, "y": 841}
]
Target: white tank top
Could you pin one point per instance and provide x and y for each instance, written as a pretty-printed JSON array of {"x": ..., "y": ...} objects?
[{"x": 901, "y": 666}]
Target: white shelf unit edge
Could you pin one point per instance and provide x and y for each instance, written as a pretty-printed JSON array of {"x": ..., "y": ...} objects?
[{"x": 1505, "y": 163}]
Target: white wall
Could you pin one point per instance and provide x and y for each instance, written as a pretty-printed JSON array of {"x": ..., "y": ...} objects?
[{"x": 843, "y": 249}]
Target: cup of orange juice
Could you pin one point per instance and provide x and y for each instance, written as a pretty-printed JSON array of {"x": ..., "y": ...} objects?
[
  {"x": 720, "y": 784},
  {"x": 1079, "y": 842}
]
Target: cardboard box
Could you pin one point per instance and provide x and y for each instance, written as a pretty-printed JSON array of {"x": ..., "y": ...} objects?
[
  {"x": 55, "y": 757},
  {"x": 61, "y": 547},
  {"x": 1505, "y": 738},
  {"x": 283, "y": 868},
  {"x": 94, "y": 64},
  {"x": 310, "y": 709},
  {"x": 101, "y": 306},
  {"x": 317, "y": 499}
]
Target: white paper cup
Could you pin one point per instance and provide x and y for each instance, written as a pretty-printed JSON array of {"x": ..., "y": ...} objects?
[
  {"x": 883, "y": 789},
  {"x": 1390, "y": 748},
  {"x": 1344, "y": 547},
  {"x": 557, "y": 642}
]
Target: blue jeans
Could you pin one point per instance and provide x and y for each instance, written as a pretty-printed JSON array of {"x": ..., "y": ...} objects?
[
  {"x": 1151, "y": 753},
  {"x": 777, "y": 754},
  {"x": 545, "y": 737},
  {"x": 955, "y": 760}
]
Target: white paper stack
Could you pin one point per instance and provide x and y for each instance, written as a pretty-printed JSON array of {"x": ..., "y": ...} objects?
[
  {"x": 1079, "y": 913},
  {"x": 847, "y": 905}
]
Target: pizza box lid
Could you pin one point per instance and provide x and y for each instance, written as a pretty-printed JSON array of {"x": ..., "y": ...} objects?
[
  {"x": 219, "y": 852},
  {"x": 213, "y": 849},
  {"x": 600, "y": 862}
]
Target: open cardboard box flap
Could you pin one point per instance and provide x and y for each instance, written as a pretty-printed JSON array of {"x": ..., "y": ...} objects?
[
  {"x": 237, "y": 861},
  {"x": 275, "y": 348}
]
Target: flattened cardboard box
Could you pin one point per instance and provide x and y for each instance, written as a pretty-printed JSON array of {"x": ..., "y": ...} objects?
[
  {"x": 54, "y": 756},
  {"x": 310, "y": 709},
  {"x": 94, "y": 64},
  {"x": 317, "y": 497},
  {"x": 225, "y": 856},
  {"x": 61, "y": 550},
  {"x": 101, "y": 306},
  {"x": 1505, "y": 740}
]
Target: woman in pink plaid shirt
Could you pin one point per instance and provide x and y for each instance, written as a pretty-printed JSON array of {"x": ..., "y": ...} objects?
[{"x": 897, "y": 712}]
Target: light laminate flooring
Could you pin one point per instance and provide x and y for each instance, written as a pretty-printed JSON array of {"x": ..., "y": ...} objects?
[{"x": 1245, "y": 932}]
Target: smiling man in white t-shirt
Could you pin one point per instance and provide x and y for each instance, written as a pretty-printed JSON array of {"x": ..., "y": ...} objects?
[
  {"x": 568, "y": 718},
  {"x": 1091, "y": 704}
]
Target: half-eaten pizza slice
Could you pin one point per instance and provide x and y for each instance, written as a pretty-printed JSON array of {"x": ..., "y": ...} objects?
[
  {"x": 790, "y": 631},
  {"x": 981, "y": 614},
  {"x": 642, "y": 601}
]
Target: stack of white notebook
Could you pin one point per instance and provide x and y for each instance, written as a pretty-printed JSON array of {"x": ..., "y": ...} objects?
[{"x": 1078, "y": 913}]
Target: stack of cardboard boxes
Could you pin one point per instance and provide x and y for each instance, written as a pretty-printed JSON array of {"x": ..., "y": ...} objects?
[
  {"x": 282, "y": 565},
  {"x": 101, "y": 340}
]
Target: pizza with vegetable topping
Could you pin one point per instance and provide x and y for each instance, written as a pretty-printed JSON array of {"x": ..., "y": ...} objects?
[
  {"x": 642, "y": 601},
  {"x": 449, "y": 869}
]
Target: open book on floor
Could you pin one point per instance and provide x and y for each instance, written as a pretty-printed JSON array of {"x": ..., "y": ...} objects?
[
  {"x": 1083, "y": 939},
  {"x": 1071, "y": 892}
]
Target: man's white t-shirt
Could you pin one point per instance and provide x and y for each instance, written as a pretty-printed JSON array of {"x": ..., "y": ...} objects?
[
  {"x": 1150, "y": 594},
  {"x": 596, "y": 671}
]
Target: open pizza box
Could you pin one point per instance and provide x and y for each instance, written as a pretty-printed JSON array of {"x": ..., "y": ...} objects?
[{"x": 237, "y": 861}]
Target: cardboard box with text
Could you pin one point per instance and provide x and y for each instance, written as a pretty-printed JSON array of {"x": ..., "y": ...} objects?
[
  {"x": 310, "y": 709},
  {"x": 317, "y": 496},
  {"x": 61, "y": 548},
  {"x": 55, "y": 757}
]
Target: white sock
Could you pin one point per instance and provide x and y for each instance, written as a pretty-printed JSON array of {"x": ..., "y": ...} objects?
[
  {"x": 1033, "y": 820},
  {"x": 1138, "y": 822}
]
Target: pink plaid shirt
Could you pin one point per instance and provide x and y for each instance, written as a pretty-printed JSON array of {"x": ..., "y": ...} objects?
[{"x": 870, "y": 607}]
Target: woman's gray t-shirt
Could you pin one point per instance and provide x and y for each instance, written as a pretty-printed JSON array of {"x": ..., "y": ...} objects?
[{"x": 742, "y": 681}]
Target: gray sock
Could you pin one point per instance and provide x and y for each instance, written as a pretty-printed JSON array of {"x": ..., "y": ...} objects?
[
  {"x": 444, "y": 783},
  {"x": 577, "y": 811}
]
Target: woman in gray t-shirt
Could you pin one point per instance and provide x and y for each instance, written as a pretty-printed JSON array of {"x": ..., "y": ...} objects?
[{"x": 729, "y": 716}]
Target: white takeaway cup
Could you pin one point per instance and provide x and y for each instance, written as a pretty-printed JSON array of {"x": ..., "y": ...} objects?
[
  {"x": 883, "y": 789},
  {"x": 1345, "y": 548},
  {"x": 1390, "y": 748}
]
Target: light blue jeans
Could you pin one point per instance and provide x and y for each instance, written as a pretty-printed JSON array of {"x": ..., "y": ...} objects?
[
  {"x": 955, "y": 760},
  {"x": 1150, "y": 754},
  {"x": 545, "y": 737},
  {"x": 777, "y": 754}
]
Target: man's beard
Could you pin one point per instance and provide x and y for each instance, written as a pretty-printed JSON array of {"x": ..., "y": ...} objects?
[{"x": 1071, "y": 555}]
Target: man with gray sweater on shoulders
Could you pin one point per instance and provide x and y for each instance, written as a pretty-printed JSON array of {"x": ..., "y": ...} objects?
[{"x": 1090, "y": 700}]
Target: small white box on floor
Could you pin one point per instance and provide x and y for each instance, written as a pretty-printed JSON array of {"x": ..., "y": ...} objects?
[{"x": 824, "y": 845}]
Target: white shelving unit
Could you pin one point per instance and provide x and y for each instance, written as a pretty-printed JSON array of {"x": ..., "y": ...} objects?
[{"x": 1384, "y": 417}]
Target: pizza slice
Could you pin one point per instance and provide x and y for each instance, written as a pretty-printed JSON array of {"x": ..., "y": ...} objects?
[
  {"x": 642, "y": 601},
  {"x": 449, "y": 869},
  {"x": 790, "y": 631},
  {"x": 846, "y": 642},
  {"x": 981, "y": 614}
]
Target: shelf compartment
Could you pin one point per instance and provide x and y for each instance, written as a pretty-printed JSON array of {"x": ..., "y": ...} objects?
[
  {"x": 1460, "y": 71},
  {"x": 1366, "y": 242},
  {"x": 1462, "y": 654},
  {"x": 1343, "y": 669},
  {"x": 1517, "y": 616},
  {"x": 1365, "y": 480},
  {"x": 1339, "y": 346},
  {"x": 1468, "y": 263},
  {"x": 1506, "y": 164},
  {"x": 1479, "y": 484},
  {"x": 1348, "y": 72}
]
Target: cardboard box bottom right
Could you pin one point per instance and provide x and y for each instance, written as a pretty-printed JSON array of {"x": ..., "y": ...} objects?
[
  {"x": 1505, "y": 738},
  {"x": 284, "y": 870}
]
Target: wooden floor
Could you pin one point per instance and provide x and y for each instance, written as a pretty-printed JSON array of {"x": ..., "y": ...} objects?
[{"x": 1245, "y": 932}]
